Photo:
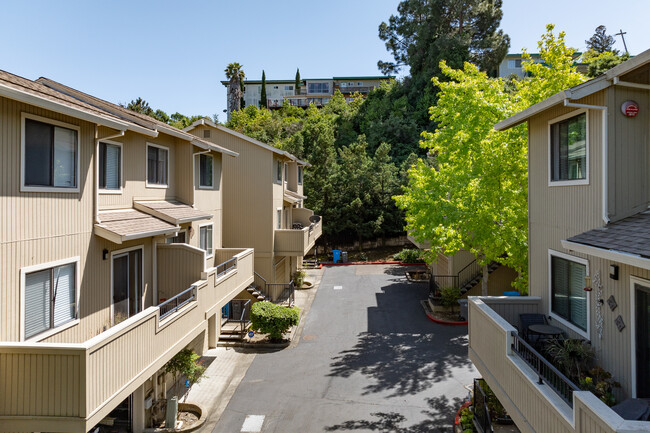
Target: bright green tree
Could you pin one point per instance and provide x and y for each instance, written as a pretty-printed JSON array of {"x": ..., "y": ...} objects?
[
  {"x": 474, "y": 195},
  {"x": 263, "y": 99}
]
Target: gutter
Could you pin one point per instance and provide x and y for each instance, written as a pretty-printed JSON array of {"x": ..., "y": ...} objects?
[{"x": 605, "y": 149}]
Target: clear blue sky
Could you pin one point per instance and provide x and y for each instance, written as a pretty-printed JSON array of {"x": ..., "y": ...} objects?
[{"x": 173, "y": 53}]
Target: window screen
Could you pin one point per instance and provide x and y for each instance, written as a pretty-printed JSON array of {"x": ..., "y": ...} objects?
[
  {"x": 50, "y": 155},
  {"x": 569, "y": 149},
  {"x": 569, "y": 299},
  {"x": 205, "y": 170},
  {"x": 157, "y": 165},
  {"x": 50, "y": 298},
  {"x": 110, "y": 156},
  {"x": 205, "y": 239}
]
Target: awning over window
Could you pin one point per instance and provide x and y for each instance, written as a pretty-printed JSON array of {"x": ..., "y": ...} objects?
[
  {"x": 173, "y": 212},
  {"x": 124, "y": 225},
  {"x": 293, "y": 197}
]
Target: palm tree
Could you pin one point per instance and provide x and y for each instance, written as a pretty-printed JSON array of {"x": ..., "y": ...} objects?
[{"x": 235, "y": 75}]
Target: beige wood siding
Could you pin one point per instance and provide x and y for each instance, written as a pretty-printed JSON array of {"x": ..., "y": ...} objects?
[
  {"x": 134, "y": 172},
  {"x": 559, "y": 212},
  {"x": 628, "y": 153},
  {"x": 178, "y": 267}
]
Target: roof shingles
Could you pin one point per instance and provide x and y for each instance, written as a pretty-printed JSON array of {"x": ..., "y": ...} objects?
[{"x": 630, "y": 235}]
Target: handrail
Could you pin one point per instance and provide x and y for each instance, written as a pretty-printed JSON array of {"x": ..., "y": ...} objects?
[
  {"x": 289, "y": 287},
  {"x": 166, "y": 307},
  {"x": 481, "y": 410},
  {"x": 475, "y": 271},
  {"x": 263, "y": 283},
  {"x": 546, "y": 372},
  {"x": 224, "y": 267}
]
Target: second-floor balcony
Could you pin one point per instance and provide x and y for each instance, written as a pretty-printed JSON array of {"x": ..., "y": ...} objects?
[
  {"x": 70, "y": 387},
  {"x": 535, "y": 394},
  {"x": 300, "y": 239}
]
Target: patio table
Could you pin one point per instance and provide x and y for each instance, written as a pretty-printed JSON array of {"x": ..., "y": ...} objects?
[{"x": 546, "y": 330}]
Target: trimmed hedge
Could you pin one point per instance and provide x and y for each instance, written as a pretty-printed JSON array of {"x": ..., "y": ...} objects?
[{"x": 273, "y": 319}]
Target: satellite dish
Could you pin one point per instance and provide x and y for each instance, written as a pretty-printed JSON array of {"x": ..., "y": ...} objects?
[{"x": 314, "y": 218}]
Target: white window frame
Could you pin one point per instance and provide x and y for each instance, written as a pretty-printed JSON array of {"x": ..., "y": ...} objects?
[
  {"x": 551, "y": 122},
  {"x": 146, "y": 161},
  {"x": 112, "y": 191},
  {"x": 27, "y": 188},
  {"x": 207, "y": 256},
  {"x": 198, "y": 162},
  {"x": 122, "y": 251},
  {"x": 278, "y": 216},
  {"x": 554, "y": 316},
  {"x": 41, "y": 267},
  {"x": 632, "y": 317}
]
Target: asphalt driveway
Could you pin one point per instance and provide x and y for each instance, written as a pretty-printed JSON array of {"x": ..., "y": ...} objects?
[{"x": 368, "y": 360}]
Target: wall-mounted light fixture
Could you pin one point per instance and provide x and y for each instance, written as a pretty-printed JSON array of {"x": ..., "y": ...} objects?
[
  {"x": 613, "y": 272},
  {"x": 104, "y": 253},
  {"x": 587, "y": 283}
]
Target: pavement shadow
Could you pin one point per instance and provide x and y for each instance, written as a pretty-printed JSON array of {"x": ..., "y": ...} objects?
[
  {"x": 440, "y": 418},
  {"x": 403, "y": 352}
]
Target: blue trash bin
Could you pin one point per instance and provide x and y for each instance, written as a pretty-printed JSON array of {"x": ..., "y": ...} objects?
[
  {"x": 336, "y": 256},
  {"x": 512, "y": 293}
]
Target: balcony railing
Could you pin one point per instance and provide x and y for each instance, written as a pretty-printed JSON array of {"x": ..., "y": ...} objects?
[
  {"x": 546, "y": 372},
  {"x": 226, "y": 266},
  {"x": 174, "y": 304},
  {"x": 514, "y": 370},
  {"x": 297, "y": 242},
  {"x": 93, "y": 376}
]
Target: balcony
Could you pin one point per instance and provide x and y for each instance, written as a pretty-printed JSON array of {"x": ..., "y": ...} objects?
[
  {"x": 354, "y": 89},
  {"x": 535, "y": 403},
  {"x": 298, "y": 241},
  {"x": 65, "y": 387}
]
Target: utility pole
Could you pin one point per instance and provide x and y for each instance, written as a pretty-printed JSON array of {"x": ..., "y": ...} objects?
[{"x": 622, "y": 35}]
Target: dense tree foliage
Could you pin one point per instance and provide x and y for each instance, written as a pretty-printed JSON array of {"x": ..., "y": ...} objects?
[
  {"x": 473, "y": 194},
  {"x": 177, "y": 120},
  {"x": 350, "y": 184},
  {"x": 601, "y": 54},
  {"x": 601, "y": 42}
]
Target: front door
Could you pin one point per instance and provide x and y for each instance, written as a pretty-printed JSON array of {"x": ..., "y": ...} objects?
[
  {"x": 127, "y": 285},
  {"x": 642, "y": 340}
]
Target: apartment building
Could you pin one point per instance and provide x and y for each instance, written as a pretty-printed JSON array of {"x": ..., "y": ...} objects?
[
  {"x": 264, "y": 205},
  {"x": 112, "y": 261},
  {"x": 317, "y": 91},
  {"x": 511, "y": 64},
  {"x": 589, "y": 257}
]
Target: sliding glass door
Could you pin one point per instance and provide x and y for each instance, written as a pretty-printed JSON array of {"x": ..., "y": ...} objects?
[{"x": 127, "y": 285}]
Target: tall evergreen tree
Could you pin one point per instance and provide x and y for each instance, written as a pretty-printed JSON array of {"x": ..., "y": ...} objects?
[
  {"x": 263, "y": 99},
  {"x": 298, "y": 81},
  {"x": 235, "y": 75},
  {"x": 601, "y": 42}
]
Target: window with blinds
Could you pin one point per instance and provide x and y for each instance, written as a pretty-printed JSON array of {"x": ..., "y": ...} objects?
[
  {"x": 110, "y": 162},
  {"x": 205, "y": 171},
  {"x": 569, "y": 149},
  {"x": 50, "y": 155},
  {"x": 299, "y": 175},
  {"x": 157, "y": 165},
  {"x": 205, "y": 239},
  {"x": 568, "y": 297},
  {"x": 50, "y": 298}
]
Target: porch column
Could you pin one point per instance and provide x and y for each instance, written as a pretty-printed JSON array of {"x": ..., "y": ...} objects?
[
  {"x": 137, "y": 400},
  {"x": 213, "y": 331}
]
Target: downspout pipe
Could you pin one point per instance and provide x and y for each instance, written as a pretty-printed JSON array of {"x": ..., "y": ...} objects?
[
  {"x": 605, "y": 150},
  {"x": 97, "y": 140}
]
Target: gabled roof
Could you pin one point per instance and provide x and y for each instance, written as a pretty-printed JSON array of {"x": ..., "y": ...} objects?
[
  {"x": 34, "y": 93},
  {"x": 150, "y": 125},
  {"x": 577, "y": 92},
  {"x": 208, "y": 122}
]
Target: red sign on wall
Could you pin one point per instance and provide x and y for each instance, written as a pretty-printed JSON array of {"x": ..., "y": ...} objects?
[{"x": 630, "y": 108}]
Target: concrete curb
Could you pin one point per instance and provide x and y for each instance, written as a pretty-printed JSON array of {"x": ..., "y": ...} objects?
[{"x": 428, "y": 312}]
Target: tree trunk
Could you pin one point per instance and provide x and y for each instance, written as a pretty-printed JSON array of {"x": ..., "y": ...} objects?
[{"x": 484, "y": 284}]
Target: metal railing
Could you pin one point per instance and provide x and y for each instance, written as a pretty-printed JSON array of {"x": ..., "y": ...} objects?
[
  {"x": 482, "y": 418},
  {"x": 240, "y": 313},
  {"x": 226, "y": 266},
  {"x": 177, "y": 302},
  {"x": 286, "y": 292},
  {"x": 260, "y": 283},
  {"x": 546, "y": 372},
  {"x": 468, "y": 273}
]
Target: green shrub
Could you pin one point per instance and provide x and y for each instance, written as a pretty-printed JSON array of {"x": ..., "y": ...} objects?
[
  {"x": 299, "y": 278},
  {"x": 185, "y": 363},
  {"x": 466, "y": 417},
  {"x": 408, "y": 255},
  {"x": 450, "y": 296},
  {"x": 273, "y": 319}
]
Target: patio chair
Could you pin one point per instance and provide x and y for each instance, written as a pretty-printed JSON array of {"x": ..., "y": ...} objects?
[{"x": 528, "y": 319}]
